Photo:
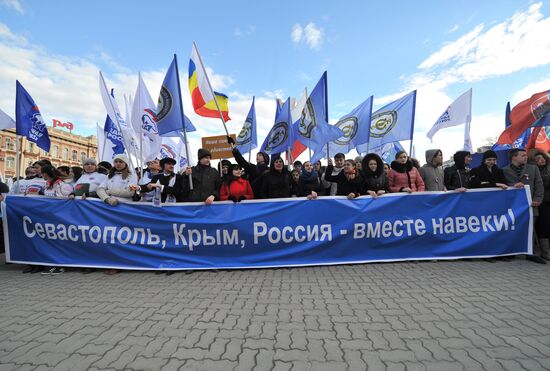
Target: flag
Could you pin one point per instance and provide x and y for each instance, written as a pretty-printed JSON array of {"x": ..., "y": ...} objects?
[
  {"x": 521, "y": 142},
  {"x": 170, "y": 109},
  {"x": 28, "y": 119},
  {"x": 247, "y": 139},
  {"x": 531, "y": 112},
  {"x": 125, "y": 130},
  {"x": 459, "y": 112},
  {"x": 280, "y": 136},
  {"x": 296, "y": 113},
  {"x": 144, "y": 121},
  {"x": 6, "y": 122},
  {"x": 174, "y": 147},
  {"x": 355, "y": 126},
  {"x": 313, "y": 129},
  {"x": 202, "y": 95},
  {"x": 392, "y": 123},
  {"x": 388, "y": 151},
  {"x": 539, "y": 140},
  {"x": 111, "y": 141}
]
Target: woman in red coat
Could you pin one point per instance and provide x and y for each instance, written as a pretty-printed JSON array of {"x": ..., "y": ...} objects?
[
  {"x": 403, "y": 176},
  {"x": 234, "y": 187}
]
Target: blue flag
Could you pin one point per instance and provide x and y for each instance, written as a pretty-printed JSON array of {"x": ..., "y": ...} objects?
[
  {"x": 247, "y": 139},
  {"x": 28, "y": 120},
  {"x": 169, "y": 108},
  {"x": 392, "y": 123},
  {"x": 313, "y": 129},
  {"x": 280, "y": 136},
  {"x": 355, "y": 126},
  {"x": 388, "y": 151}
]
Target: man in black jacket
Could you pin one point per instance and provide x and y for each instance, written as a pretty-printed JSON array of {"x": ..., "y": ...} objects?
[
  {"x": 206, "y": 180},
  {"x": 171, "y": 184}
]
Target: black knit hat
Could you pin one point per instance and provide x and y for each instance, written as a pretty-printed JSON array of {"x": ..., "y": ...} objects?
[
  {"x": 203, "y": 153},
  {"x": 166, "y": 160},
  {"x": 489, "y": 154}
]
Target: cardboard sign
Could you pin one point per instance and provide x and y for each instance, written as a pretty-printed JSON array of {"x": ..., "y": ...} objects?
[{"x": 218, "y": 146}]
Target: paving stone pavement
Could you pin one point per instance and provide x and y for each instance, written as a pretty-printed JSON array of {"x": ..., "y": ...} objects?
[{"x": 462, "y": 315}]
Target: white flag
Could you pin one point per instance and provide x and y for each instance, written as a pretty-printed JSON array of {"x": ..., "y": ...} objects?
[
  {"x": 459, "y": 112},
  {"x": 174, "y": 147},
  {"x": 130, "y": 142},
  {"x": 144, "y": 122},
  {"x": 6, "y": 122}
]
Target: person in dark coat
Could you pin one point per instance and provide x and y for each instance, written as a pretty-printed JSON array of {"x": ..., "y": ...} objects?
[
  {"x": 171, "y": 185},
  {"x": 374, "y": 176},
  {"x": 254, "y": 172},
  {"x": 542, "y": 225},
  {"x": 224, "y": 167},
  {"x": 349, "y": 181},
  {"x": 295, "y": 189},
  {"x": 457, "y": 177},
  {"x": 276, "y": 182},
  {"x": 518, "y": 174},
  {"x": 206, "y": 180},
  {"x": 234, "y": 187},
  {"x": 488, "y": 174}
]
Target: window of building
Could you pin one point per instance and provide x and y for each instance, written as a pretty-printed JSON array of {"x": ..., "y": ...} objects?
[
  {"x": 30, "y": 146},
  {"x": 83, "y": 156},
  {"x": 10, "y": 162},
  {"x": 75, "y": 155},
  {"x": 55, "y": 152},
  {"x": 8, "y": 143},
  {"x": 65, "y": 154}
]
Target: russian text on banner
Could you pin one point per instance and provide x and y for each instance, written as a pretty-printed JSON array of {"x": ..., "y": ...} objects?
[{"x": 477, "y": 223}]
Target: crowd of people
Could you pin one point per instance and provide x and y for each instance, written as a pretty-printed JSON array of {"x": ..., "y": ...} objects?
[{"x": 271, "y": 178}]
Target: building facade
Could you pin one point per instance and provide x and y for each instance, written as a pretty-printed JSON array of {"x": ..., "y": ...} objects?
[{"x": 66, "y": 149}]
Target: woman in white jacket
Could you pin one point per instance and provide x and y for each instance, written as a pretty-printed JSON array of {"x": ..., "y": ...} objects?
[
  {"x": 90, "y": 180},
  {"x": 121, "y": 183}
]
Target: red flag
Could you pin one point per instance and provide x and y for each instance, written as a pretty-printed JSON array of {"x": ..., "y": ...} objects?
[
  {"x": 524, "y": 115},
  {"x": 539, "y": 140},
  {"x": 297, "y": 149}
]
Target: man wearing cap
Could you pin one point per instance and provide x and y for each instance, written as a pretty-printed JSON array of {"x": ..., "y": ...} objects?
[
  {"x": 153, "y": 168},
  {"x": 171, "y": 184},
  {"x": 206, "y": 180},
  {"x": 90, "y": 179},
  {"x": 518, "y": 174}
]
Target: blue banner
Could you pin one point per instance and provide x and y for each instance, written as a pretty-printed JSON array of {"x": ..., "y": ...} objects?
[{"x": 288, "y": 232}]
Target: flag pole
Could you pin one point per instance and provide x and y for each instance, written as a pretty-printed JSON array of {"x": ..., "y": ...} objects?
[
  {"x": 140, "y": 127},
  {"x": 326, "y": 110},
  {"x": 116, "y": 120},
  {"x": 104, "y": 143},
  {"x": 412, "y": 126},
  {"x": 17, "y": 162},
  {"x": 183, "y": 122},
  {"x": 211, "y": 90}
]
